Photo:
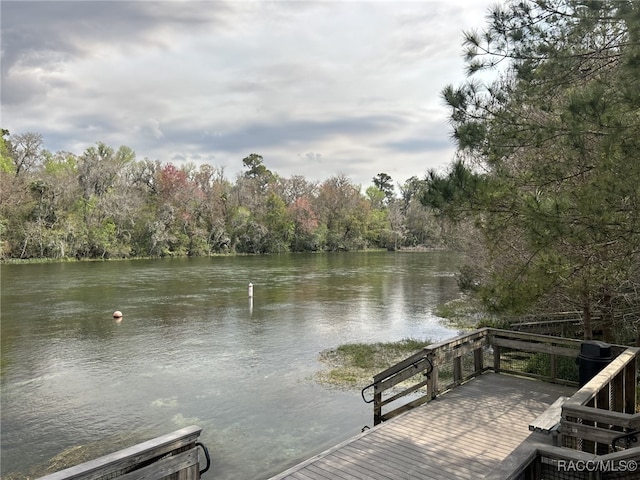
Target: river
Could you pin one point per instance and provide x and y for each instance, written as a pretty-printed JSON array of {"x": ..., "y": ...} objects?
[{"x": 192, "y": 348}]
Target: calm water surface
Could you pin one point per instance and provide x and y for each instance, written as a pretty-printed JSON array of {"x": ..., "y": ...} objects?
[{"x": 192, "y": 349}]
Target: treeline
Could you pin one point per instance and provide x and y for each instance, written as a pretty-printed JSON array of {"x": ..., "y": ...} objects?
[{"x": 104, "y": 203}]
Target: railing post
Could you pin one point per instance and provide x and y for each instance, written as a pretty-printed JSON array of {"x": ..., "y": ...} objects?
[
  {"x": 191, "y": 473},
  {"x": 432, "y": 381},
  {"x": 630, "y": 382},
  {"x": 534, "y": 472},
  {"x": 457, "y": 370},
  {"x": 553, "y": 368},
  {"x": 496, "y": 358},
  {"x": 478, "y": 361},
  {"x": 602, "y": 397},
  {"x": 603, "y": 402},
  {"x": 377, "y": 407},
  {"x": 618, "y": 391}
]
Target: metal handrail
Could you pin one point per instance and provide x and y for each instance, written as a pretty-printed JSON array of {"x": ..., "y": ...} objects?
[{"x": 412, "y": 365}]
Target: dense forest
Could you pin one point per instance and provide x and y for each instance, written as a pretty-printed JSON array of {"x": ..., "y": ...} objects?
[
  {"x": 548, "y": 169},
  {"x": 104, "y": 203}
]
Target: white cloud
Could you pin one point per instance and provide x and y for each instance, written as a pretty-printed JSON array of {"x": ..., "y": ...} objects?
[{"x": 318, "y": 88}]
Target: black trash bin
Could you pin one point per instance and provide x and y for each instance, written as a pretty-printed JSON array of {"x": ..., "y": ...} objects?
[{"x": 593, "y": 357}]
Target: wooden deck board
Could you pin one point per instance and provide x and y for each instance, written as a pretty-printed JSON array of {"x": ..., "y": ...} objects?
[
  {"x": 376, "y": 474},
  {"x": 412, "y": 451},
  {"x": 350, "y": 454},
  {"x": 463, "y": 434},
  {"x": 301, "y": 475},
  {"x": 397, "y": 460}
]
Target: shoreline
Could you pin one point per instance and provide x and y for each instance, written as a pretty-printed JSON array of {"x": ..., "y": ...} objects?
[{"x": 39, "y": 260}]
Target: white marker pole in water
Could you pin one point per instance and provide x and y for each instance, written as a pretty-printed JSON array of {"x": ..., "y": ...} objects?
[{"x": 251, "y": 299}]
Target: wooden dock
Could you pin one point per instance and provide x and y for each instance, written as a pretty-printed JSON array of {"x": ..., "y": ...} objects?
[
  {"x": 458, "y": 409},
  {"x": 463, "y": 433}
]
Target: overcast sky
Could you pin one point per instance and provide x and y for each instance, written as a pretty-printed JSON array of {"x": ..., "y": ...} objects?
[{"x": 318, "y": 88}]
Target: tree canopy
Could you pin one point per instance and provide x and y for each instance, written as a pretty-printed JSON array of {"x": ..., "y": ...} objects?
[
  {"x": 549, "y": 158},
  {"x": 105, "y": 203}
]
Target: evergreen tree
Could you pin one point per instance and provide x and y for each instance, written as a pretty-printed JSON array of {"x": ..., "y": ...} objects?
[{"x": 550, "y": 156}]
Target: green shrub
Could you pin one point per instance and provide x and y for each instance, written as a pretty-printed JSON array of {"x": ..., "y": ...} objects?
[{"x": 540, "y": 364}]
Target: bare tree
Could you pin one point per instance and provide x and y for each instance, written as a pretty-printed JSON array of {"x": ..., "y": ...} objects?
[{"x": 25, "y": 150}]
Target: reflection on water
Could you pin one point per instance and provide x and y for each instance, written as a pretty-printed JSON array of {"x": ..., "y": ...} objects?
[{"x": 193, "y": 348}]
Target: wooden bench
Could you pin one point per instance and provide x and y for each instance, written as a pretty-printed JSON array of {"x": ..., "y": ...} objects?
[{"x": 548, "y": 422}]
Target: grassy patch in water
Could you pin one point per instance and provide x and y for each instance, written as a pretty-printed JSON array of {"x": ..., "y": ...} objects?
[
  {"x": 353, "y": 365},
  {"x": 377, "y": 355}
]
